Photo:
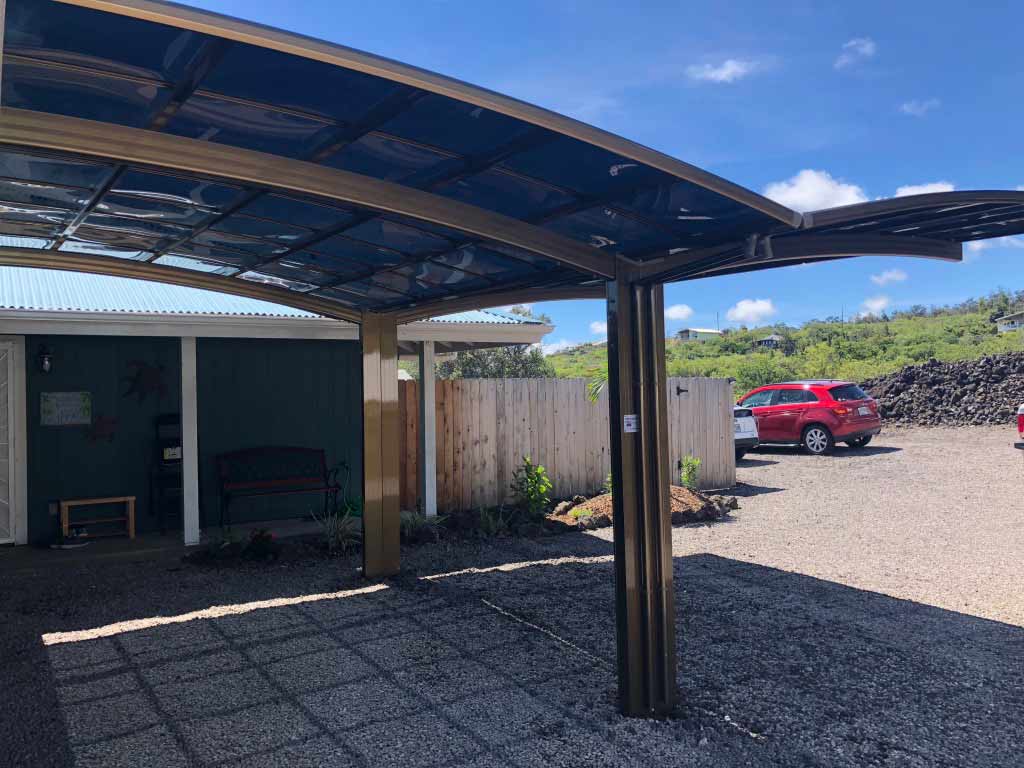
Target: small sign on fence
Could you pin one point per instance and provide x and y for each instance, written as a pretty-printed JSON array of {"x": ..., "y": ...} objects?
[{"x": 630, "y": 423}]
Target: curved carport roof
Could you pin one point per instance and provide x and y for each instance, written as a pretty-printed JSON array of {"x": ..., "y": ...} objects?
[{"x": 160, "y": 142}]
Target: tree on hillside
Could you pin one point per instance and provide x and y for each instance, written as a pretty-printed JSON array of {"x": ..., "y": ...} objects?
[{"x": 519, "y": 361}]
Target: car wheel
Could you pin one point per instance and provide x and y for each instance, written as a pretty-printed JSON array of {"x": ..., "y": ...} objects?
[
  {"x": 817, "y": 440},
  {"x": 740, "y": 453},
  {"x": 860, "y": 442}
]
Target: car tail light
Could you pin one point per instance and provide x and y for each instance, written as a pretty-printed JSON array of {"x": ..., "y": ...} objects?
[{"x": 841, "y": 410}]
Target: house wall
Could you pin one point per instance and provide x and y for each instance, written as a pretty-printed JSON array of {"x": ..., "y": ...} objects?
[
  {"x": 276, "y": 392},
  {"x": 112, "y": 456}
]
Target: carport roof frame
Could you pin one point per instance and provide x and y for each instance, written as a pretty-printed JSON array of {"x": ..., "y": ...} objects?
[{"x": 414, "y": 245}]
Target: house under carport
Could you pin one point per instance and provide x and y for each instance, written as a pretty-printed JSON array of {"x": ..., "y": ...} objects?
[{"x": 237, "y": 373}]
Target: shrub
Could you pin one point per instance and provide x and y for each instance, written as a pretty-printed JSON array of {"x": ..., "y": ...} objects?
[
  {"x": 340, "y": 527},
  {"x": 415, "y": 527},
  {"x": 689, "y": 472},
  {"x": 607, "y": 487},
  {"x": 495, "y": 521},
  {"x": 531, "y": 486}
]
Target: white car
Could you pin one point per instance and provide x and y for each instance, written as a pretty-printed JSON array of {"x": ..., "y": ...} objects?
[{"x": 744, "y": 430}]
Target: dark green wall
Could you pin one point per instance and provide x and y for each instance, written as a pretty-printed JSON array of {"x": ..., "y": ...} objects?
[
  {"x": 77, "y": 461},
  {"x": 258, "y": 392}
]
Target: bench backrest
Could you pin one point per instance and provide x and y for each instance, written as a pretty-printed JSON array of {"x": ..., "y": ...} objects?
[{"x": 272, "y": 468}]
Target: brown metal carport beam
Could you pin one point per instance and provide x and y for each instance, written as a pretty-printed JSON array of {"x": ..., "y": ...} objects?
[
  {"x": 500, "y": 299},
  {"x": 105, "y": 141}
]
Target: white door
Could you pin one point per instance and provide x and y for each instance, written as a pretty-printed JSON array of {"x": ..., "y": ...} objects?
[{"x": 7, "y": 475}]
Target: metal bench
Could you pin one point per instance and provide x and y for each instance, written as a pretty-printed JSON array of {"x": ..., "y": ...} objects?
[{"x": 273, "y": 471}]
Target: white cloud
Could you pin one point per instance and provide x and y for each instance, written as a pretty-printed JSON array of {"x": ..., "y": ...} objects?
[
  {"x": 1020, "y": 187},
  {"x": 729, "y": 71},
  {"x": 923, "y": 189},
  {"x": 599, "y": 328},
  {"x": 812, "y": 190},
  {"x": 856, "y": 50},
  {"x": 557, "y": 346},
  {"x": 679, "y": 312},
  {"x": 977, "y": 246},
  {"x": 874, "y": 306},
  {"x": 919, "y": 107},
  {"x": 751, "y": 311},
  {"x": 889, "y": 276}
]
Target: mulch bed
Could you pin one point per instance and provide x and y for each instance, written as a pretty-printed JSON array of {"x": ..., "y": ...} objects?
[{"x": 687, "y": 507}]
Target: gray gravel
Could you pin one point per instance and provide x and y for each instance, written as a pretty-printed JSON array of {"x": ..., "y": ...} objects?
[{"x": 797, "y": 647}]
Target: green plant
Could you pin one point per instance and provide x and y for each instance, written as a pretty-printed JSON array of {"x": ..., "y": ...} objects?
[
  {"x": 341, "y": 529},
  {"x": 530, "y": 487},
  {"x": 578, "y": 512},
  {"x": 608, "y": 486},
  {"x": 415, "y": 527},
  {"x": 689, "y": 472},
  {"x": 495, "y": 521}
]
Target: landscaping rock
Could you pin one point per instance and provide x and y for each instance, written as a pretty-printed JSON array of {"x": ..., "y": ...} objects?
[{"x": 963, "y": 393}]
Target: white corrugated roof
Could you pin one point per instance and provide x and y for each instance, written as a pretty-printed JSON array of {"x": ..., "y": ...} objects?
[{"x": 49, "y": 290}]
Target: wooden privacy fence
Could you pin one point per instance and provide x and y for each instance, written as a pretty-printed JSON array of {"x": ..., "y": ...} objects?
[{"x": 486, "y": 426}]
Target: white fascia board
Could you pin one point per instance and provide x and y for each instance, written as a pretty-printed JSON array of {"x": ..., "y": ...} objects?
[{"x": 501, "y": 333}]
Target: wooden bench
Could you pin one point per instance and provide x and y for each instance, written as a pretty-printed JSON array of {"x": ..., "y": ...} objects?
[
  {"x": 66, "y": 505},
  {"x": 273, "y": 471}
]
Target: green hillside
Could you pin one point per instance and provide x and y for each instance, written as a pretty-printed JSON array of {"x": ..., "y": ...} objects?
[{"x": 829, "y": 348}]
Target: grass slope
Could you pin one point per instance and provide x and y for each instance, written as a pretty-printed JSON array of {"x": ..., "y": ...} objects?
[{"x": 820, "y": 349}]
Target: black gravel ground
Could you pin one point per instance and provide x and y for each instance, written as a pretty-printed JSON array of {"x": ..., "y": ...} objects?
[{"x": 506, "y": 657}]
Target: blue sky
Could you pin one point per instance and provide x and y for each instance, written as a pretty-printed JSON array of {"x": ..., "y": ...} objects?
[{"x": 815, "y": 104}]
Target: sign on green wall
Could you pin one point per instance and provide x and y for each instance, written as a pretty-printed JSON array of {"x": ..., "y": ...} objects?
[{"x": 65, "y": 409}]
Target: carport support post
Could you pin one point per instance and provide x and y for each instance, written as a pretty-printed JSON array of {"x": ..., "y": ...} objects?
[
  {"x": 428, "y": 431},
  {"x": 189, "y": 442},
  {"x": 379, "y": 337},
  {"x": 644, "y": 598}
]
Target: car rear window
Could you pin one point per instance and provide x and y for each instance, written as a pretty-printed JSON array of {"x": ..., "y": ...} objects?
[
  {"x": 790, "y": 396},
  {"x": 847, "y": 392}
]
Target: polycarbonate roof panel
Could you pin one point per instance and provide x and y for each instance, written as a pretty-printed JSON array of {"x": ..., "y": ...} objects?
[
  {"x": 92, "y": 64},
  {"x": 359, "y": 256}
]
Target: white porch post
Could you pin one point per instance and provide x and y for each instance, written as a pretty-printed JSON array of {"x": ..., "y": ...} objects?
[
  {"x": 428, "y": 431},
  {"x": 189, "y": 442}
]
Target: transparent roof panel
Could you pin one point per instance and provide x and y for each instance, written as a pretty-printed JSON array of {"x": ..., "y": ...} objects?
[
  {"x": 50, "y": 169},
  {"x": 386, "y": 157},
  {"x": 197, "y": 265},
  {"x": 80, "y": 94},
  {"x": 297, "y": 211},
  {"x": 248, "y": 126},
  {"x": 263, "y": 229},
  {"x": 153, "y": 210},
  {"x": 258, "y": 74},
  {"x": 69, "y": 35},
  {"x": 181, "y": 190},
  {"x": 13, "y": 191}
]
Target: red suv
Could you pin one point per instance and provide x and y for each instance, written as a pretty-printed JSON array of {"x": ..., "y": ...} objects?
[{"x": 814, "y": 414}]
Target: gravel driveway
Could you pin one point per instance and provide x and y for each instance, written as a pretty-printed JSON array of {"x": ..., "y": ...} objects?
[
  {"x": 806, "y": 638},
  {"x": 931, "y": 515}
]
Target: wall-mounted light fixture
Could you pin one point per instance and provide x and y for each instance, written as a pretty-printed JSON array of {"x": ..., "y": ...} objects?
[{"x": 45, "y": 359}]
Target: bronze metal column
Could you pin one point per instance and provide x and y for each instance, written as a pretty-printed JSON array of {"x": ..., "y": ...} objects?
[
  {"x": 379, "y": 337},
  {"x": 645, "y": 602}
]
